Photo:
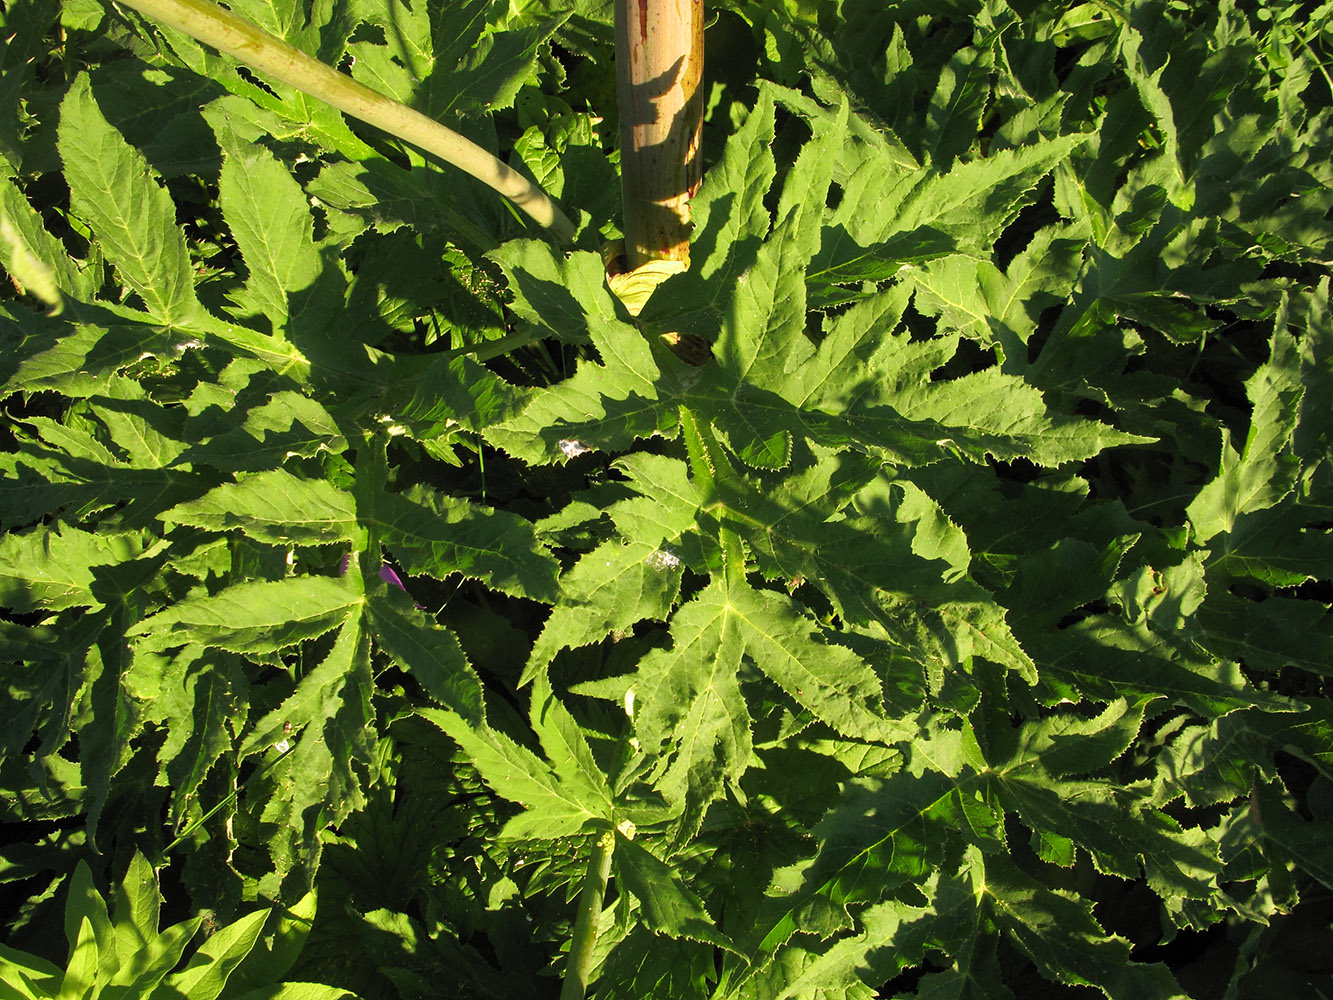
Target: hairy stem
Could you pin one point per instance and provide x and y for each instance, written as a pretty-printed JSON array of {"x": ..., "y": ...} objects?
[
  {"x": 659, "y": 71},
  {"x": 220, "y": 28},
  {"x": 579, "y": 968}
]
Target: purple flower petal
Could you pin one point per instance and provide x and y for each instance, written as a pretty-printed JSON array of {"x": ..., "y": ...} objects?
[{"x": 386, "y": 572}]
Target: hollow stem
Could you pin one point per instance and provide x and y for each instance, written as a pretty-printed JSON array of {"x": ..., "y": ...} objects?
[
  {"x": 221, "y": 29},
  {"x": 578, "y": 970},
  {"x": 659, "y": 71}
]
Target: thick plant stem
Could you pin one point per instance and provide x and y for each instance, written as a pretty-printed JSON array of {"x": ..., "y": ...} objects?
[
  {"x": 579, "y": 967},
  {"x": 220, "y": 28},
  {"x": 659, "y": 70}
]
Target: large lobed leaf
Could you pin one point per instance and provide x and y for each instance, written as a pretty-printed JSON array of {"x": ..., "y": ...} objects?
[{"x": 982, "y": 554}]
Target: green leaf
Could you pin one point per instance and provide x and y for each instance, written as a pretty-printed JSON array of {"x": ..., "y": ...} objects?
[
  {"x": 842, "y": 262},
  {"x": 55, "y": 569},
  {"x": 35, "y": 258},
  {"x": 1285, "y": 545},
  {"x": 1284, "y": 834},
  {"x": 57, "y": 671},
  {"x": 259, "y": 617},
  {"x": 994, "y": 307},
  {"x": 729, "y": 210},
  {"x": 958, "y": 104},
  {"x": 316, "y": 780},
  {"x": 1148, "y": 86},
  {"x": 667, "y": 904},
  {"x": 139, "y": 429},
  {"x": 275, "y": 507},
  {"x": 566, "y": 295},
  {"x": 452, "y": 61},
  {"x": 605, "y": 406},
  {"x": 879, "y": 835},
  {"x": 26, "y": 24},
  {"x": 552, "y": 809},
  {"x": 641, "y": 964},
  {"x": 567, "y": 748},
  {"x": 205, "y": 976},
  {"x": 1068, "y": 745},
  {"x": 830, "y": 681},
  {"x": 428, "y": 651},
  {"x": 156, "y": 108},
  {"x": 761, "y": 336},
  {"x": 1266, "y": 471},
  {"x": 972, "y": 202},
  {"x": 609, "y": 589},
  {"x": 1218, "y": 763},
  {"x": 295, "y": 991},
  {"x": 385, "y": 196},
  {"x": 897, "y": 616},
  {"x": 81, "y": 361},
  {"x": 989, "y": 414},
  {"x": 134, "y": 219},
  {"x": 688, "y": 707},
  {"x": 887, "y": 937},
  {"x": 262, "y": 430},
  {"x": 85, "y": 907},
  {"x": 436, "y": 535},
  {"x": 876, "y": 569},
  {"x": 283, "y": 18},
  {"x": 1102, "y": 659},
  {"x": 138, "y": 973},
  {"x": 1060, "y": 934},
  {"x": 81, "y": 970},
  {"x": 197, "y": 696},
  {"x": 136, "y": 903},
  {"x": 282, "y": 111},
  {"x": 859, "y": 338},
  {"x": 276, "y": 952},
  {"x": 1179, "y": 862},
  {"x": 1269, "y": 634},
  {"x": 27, "y": 975},
  {"x": 667, "y": 504},
  {"x": 269, "y": 216},
  {"x": 311, "y": 704},
  {"x": 105, "y": 739}
]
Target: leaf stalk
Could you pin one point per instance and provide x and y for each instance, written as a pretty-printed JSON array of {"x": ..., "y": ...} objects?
[
  {"x": 579, "y": 968},
  {"x": 221, "y": 29}
]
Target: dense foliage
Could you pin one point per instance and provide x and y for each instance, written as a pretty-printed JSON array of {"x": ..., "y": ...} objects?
[{"x": 927, "y": 594}]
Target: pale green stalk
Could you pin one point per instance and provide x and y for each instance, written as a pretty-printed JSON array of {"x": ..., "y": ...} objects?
[
  {"x": 578, "y": 970},
  {"x": 221, "y": 29}
]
